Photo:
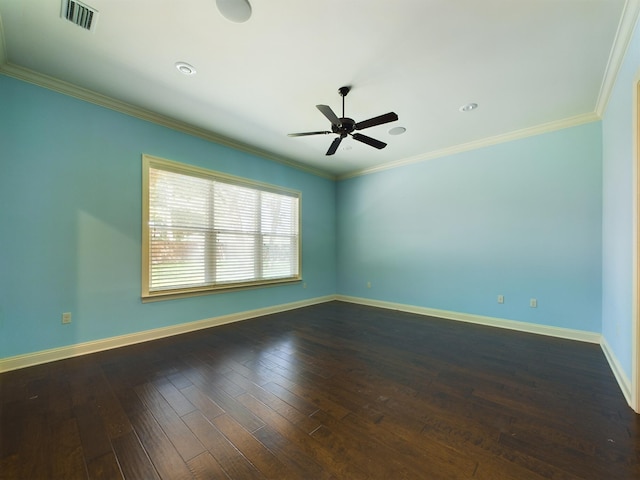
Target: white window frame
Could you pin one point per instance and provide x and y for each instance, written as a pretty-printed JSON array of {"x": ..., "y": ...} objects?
[{"x": 151, "y": 294}]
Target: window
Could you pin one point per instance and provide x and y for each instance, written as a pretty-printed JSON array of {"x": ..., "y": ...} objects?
[{"x": 205, "y": 231}]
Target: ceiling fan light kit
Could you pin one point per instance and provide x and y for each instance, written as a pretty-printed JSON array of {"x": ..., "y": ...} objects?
[{"x": 346, "y": 126}]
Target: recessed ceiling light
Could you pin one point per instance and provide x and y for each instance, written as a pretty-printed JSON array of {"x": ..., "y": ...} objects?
[
  {"x": 468, "y": 107},
  {"x": 237, "y": 11},
  {"x": 185, "y": 68},
  {"x": 397, "y": 131}
]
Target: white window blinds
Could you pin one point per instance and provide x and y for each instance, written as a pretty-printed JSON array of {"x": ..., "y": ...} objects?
[{"x": 206, "y": 231}]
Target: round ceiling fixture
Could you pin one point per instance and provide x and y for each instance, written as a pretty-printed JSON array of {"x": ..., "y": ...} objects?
[
  {"x": 185, "y": 68},
  {"x": 468, "y": 107},
  {"x": 397, "y": 131},
  {"x": 237, "y": 11}
]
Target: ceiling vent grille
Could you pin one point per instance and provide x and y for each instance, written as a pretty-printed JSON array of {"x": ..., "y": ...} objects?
[{"x": 80, "y": 14}]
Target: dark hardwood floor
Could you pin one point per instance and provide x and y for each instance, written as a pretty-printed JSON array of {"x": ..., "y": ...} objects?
[{"x": 334, "y": 391}]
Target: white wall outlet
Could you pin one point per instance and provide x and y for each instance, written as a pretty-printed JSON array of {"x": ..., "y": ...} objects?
[
  {"x": 368, "y": 284},
  {"x": 500, "y": 298},
  {"x": 66, "y": 317},
  {"x": 304, "y": 285},
  {"x": 533, "y": 303}
]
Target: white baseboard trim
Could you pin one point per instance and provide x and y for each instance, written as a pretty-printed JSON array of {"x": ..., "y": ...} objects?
[
  {"x": 85, "y": 348},
  {"x": 580, "y": 335},
  {"x": 54, "y": 354},
  {"x": 618, "y": 371},
  {"x": 567, "y": 333}
]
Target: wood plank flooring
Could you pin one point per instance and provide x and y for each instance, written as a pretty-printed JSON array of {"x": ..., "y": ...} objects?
[{"x": 333, "y": 391}]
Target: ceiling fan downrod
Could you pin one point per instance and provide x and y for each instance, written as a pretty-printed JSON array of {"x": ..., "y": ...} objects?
[{"x": 343, "y": 91}]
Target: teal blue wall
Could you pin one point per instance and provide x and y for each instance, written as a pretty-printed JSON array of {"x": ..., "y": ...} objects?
[
  {"x": 520, "y": 219},
  {"x": 70, "y": 216},
  {"x": 617, "y": 258},
  {"x": 537, "y": 217}
]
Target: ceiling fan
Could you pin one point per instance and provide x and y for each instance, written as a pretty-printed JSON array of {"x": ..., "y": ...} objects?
[{"x": 345, "y": 126}]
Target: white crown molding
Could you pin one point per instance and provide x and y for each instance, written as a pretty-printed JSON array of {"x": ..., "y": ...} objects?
[
  {"x": 485, "y": 142},
  {"x": 628, "y": 20},
  {"x": 90, "y": 96},
  {"x": 80, "y": 93},
  {"x": 54, "y": 354},
  {"x": 626, "y": 27}
]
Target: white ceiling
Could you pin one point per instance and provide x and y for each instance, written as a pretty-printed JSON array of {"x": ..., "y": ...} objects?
[{"x": 526, "y": 63}]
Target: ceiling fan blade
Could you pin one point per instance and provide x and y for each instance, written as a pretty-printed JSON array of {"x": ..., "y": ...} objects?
[
  {"x": 327, "y": 112},
  {"x": 372, "y": 122},
  {"x": 334, "y": 146},
  {"x": 369, "y": 141},
  {"x": 304, "y": 134}
]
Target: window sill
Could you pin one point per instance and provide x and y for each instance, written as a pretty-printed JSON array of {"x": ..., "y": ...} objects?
[{"x": 198, "y": 292}]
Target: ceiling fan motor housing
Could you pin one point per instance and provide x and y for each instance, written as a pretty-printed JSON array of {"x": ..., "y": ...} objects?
[{"x": 345, "y": 127}]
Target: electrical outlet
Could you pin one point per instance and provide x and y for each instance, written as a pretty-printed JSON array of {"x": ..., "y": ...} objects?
[
  {"x": 368, "y": 284},
  {"x": 304, "y": 285},
  {"x": 533, "y": 303},
  {"x": 500, "y": 298},
  {"x": 66, "y": 317}
]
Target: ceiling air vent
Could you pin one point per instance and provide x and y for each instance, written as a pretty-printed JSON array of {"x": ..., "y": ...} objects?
[{"x": 80, "y": 14}]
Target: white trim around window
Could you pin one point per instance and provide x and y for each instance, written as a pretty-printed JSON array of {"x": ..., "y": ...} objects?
[{"x": 205, "y": 231}]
